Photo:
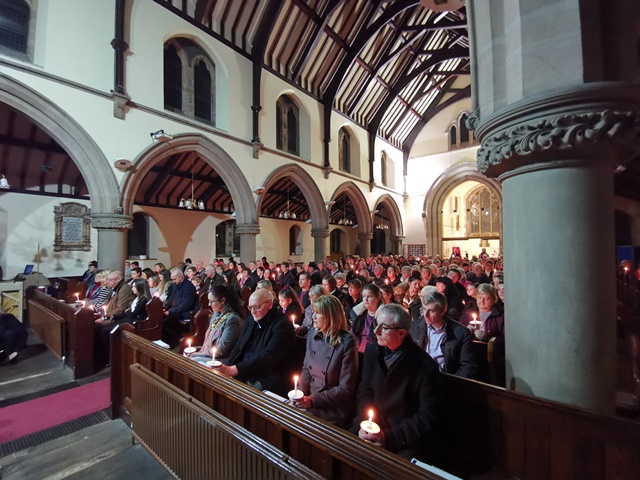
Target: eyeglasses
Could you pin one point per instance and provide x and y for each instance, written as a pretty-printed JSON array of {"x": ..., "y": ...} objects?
[
  {"x": 384, "y": 327},
  {"x": 253, "y": 308}
]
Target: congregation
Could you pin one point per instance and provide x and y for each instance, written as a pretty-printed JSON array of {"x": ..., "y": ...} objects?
[{"x": 362, "y": 335}]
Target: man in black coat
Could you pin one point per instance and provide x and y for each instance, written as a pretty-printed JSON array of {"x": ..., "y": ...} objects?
[
  {"x": 262, "y": 356},
  {"x": 212, "y": 278},
  {"x": 13, "y": 337},
  {"x": 445, "y": 340},
  {"x": 177, "y": 307},
  {"x": 401, "y": 384}
]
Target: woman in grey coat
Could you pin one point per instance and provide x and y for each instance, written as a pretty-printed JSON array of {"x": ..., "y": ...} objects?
[
  {"x": 330, "y": 370},
  {"x": 225, "y": 326}
]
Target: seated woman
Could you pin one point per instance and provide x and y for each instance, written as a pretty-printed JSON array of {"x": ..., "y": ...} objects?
[
  {"x": 315, "y": 293},
  {"x": 224, "y": 329},
  {"x": 486, "y": 312},
  {"x": 330, "y": 368},
  {"x": 364, "y": 324},
  {"x": 354, "y": 298},
  {"x": 388, "y": 293},
  {"x": 100, "y": 293},
  {"x": 290, "y": 306}
]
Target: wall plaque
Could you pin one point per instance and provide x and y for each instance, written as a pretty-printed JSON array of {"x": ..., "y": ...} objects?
[{"x": 73, "y": 227}]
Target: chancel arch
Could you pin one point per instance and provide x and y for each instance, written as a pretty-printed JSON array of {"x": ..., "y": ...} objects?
[{"x": 440, "y": 193}]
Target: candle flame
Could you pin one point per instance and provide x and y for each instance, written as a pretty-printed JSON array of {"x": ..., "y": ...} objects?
[
  {"x": 295, "y": 378},
  {"x": 370, "y": 415}
]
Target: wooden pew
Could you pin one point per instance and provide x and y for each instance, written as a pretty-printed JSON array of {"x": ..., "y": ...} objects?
[
  {"x": 487, "y": 430},
  {"x": 67, "y": 331},
  {"x": 151, "y": 327},
  {"x": 329, "y": 451}
]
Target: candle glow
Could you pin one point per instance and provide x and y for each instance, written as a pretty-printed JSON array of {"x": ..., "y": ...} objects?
[
  {"x": 293, "y": 319},
  {"x": 370, "y": 417},
  {"x": 295, "y": 383},
  {"x": 77, "y": 297},
  {"x": 189, "y": 343},
  {"x": 213, "y": 353}
]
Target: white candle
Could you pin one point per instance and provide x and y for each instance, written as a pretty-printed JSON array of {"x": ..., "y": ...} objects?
[
  {"x": 370, "y": 418},
  {"x": 213, "y": 353},
  {"x": 370, "y": 426},
  {"x": 295, "y": 383},
  {"x": 77, "y": 297},
  {"x": 189, "y": 343},
  {"x": 104, "y": 311},
  {"x": 293, "y": 319}
]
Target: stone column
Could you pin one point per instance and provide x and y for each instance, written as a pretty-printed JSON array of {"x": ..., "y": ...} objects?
[
  {"x": 248, "y": 233},
  {"x": 320, "y": 248},
  {"x": 112, "y": 239},
  {"x": 396, "y": 244},
  {"x": 555, "y": 116},
  {"x": 365, "y": 243}
]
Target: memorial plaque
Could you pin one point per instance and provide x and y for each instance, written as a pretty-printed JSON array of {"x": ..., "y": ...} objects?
[{"x": 73, "y": 224}]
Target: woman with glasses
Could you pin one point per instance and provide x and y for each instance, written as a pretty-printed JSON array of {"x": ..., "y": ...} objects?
[
  {"x": 330, "y": 370},
  {"x": 224, "y": 328}
]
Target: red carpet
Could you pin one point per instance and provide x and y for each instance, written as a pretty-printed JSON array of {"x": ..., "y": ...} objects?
[{"x": 35, "y": 415}]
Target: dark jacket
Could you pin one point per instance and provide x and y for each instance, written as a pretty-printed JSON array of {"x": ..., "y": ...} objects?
[
  {"x": 330, "y": 375},
  {"x": 493, "y": 326},
  {"x": 405, "y": 398},
  {"x": 294, "y": 309},
  {"x": 357, "y": 327},
  {"x": 263, "y": 352},
  {"x": 138, "y": 313},
  {"x": 457, "y": 347},
  {"x": 214, "y": 281},
  {"x": 182, "y": 299}
]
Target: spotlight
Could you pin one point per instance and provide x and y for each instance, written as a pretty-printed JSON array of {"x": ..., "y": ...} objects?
[{"x": 160, "y": 136}]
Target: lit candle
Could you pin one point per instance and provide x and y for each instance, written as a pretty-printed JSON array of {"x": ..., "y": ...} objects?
[
  {"x": 213, "y": 362},
  {"x": 295, "y": 394},
  {"x": 77, "y": 297},
  {"x": 213, "y": 353},
  {"x": 370, "y": 426},
  {"x": 626, "y": 269},
  {"x": 386, "y": 281},
  {"x": 104, "y": 311},
  {"x": 293, "y": 319},
  {"x": 189, "y": 350},
  {"x": 295, "y": 382},
  {"x": 357, "y": 272}
]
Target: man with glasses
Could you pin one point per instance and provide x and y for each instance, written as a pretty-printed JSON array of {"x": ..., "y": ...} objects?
[
  {"x": 448, "y": 342},
  {"x": 263, "y": 355},
  {"x": 401, "y": 384},
  {"x": 121, "y": 295}
]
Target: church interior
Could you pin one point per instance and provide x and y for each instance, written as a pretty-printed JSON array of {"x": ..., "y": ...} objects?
[{"x": 300, "y": 131}]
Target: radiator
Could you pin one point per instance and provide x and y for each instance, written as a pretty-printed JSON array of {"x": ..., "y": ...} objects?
[{"x": 195, "y": 442}]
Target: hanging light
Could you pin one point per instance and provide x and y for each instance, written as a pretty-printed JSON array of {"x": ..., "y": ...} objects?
[
  {"x": 344, "y": 220},
  {"x": 191, "y": 203},
  {"x": 4, "y": 183},
  {"x": 287, "y": 214}
]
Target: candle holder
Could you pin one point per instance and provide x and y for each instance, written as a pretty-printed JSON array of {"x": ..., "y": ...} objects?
[
  {"x": 295, "y": 395},
  {"x": 214, "y": 363},
  {"x": 370, "y": 426},
  {"x": 189, "y": 350}
]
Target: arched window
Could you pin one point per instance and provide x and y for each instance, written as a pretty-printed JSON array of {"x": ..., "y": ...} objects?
[
  {"x": 335, "y": 241},
  {"x": 383, "y": 169},
  {"x": 379, "y": 242},
  {"x": 287, "y": 125},
  {"x": 344, "y": 150},
  {"x": 138, "y": 238},
  {"x": 464, "y": 131},
  {"x": 453, "y": 136},
  {"x": 172, "y": 79},
  {"x": 227, "y": 242},
  {"x": 483, "y": 212},
  {"x": 189, "y": 80},
  {"x": 15, "y": 18},
  {"x": 295, "y": 240},
  {"x": 203, "y": 91}
]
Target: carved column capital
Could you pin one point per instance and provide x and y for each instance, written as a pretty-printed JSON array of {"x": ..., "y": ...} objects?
[
  {"x": 320, "y": 232},
  {"x": 591, "y": 123},
  {"x": 365, "y": 236},
  {"x": 248, "y": 229},
  {"x": 111, "y": 221}
]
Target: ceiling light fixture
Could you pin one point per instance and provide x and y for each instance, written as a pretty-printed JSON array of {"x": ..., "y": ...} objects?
[
  {"x": 287, "y": 214},
  {"x": 191, "y": 203},
  {"x": 344, "y": 220}
]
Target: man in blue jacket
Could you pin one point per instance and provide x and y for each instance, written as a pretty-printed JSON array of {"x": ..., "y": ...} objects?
[{"x": 177, "y": 307}]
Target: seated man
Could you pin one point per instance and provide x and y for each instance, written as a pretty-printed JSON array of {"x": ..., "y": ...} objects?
[
  {"x": 401, "y": 384},
  {"x": 262, "y": 355},
  {"x": 445, "y": 340},
  {"x": 177, "y": 306},
  {"x": 121, "y": 295}
]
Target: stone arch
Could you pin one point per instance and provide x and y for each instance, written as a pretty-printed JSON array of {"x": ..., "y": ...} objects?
[
  {"x": 90, "y": 160},
  {"x": 462, "y": 172},
  {"x": 211, "y": 153},
  {"x": 359, "y": 204},
  {"x": 308, "y": 187},
  {"x": 396, "y": 225}
]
